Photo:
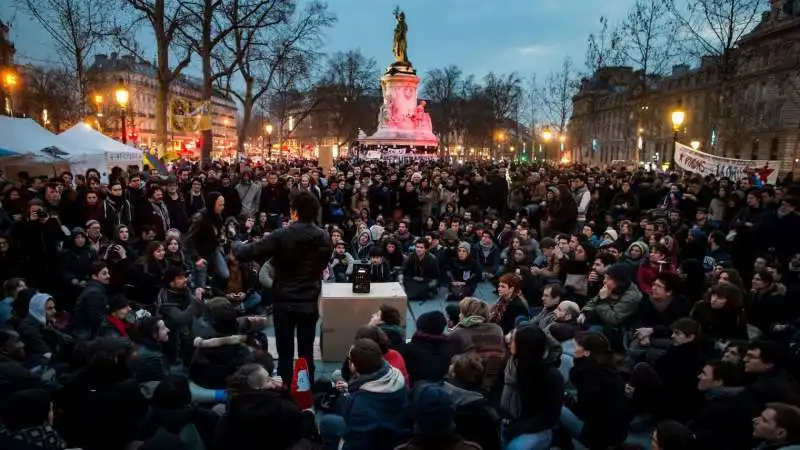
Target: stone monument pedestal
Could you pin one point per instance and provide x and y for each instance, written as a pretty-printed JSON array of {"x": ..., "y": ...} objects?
[{"x": 402, "y": 121}]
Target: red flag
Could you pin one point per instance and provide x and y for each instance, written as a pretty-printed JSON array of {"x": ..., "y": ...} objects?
[{"x": 301, "y": 385}]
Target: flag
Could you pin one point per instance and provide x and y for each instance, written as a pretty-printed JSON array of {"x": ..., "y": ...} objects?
[{"x": 301, "y": 385}]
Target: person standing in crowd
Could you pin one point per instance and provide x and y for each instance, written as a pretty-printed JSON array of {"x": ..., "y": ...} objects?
[{"x": 299, "y": 254}]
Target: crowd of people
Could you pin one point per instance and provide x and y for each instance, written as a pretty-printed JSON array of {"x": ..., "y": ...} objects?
[{"x": 136, "y": 308}]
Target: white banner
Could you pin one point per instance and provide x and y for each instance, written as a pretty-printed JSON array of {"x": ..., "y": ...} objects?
[{"x": 692, "y": 160}]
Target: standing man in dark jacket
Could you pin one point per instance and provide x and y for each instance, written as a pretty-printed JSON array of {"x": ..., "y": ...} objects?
[{"x": 299, "y": 254}]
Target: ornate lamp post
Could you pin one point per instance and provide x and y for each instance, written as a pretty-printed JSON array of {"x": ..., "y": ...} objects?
[
  {"x": 10, "y": 82},
  {"x": 268, "y": 129},
  {"x": 547, "y": 135},
  {"x": 678, "y": 117},
  {"x": 122, "y": 96}
]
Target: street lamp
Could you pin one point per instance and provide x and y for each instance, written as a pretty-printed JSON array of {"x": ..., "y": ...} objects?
[
  {"x": 10, "y": 81},
  {"x": 122, "y": 96},
  {"x": 98, "y": 103},
  {"x": 268, "y": 129},
  {"x": 547, "y": 135},
  {"x": 678, "y": 116},
  {"x": 695, "y": 145}
]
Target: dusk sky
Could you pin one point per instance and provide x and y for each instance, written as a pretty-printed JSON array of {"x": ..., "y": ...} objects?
[{"x": 525, "y": 36}]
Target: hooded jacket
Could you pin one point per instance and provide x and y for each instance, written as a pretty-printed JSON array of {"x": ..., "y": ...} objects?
[
  {"x": 206, "y": 234},
  {"x": 375, "y": 411}
]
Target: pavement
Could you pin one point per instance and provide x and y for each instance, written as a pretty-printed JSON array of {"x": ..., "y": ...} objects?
[{"x": 484, "y": 291}]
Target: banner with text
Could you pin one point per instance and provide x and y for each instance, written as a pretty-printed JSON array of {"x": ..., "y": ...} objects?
[{"x": 692, "y": 160}]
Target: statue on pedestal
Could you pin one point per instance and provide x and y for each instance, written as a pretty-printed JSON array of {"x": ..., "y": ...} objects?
[{"x": 400, "y": 40}]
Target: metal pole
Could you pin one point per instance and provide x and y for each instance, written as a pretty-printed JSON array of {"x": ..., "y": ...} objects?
[{"x": 124, "y": 127}]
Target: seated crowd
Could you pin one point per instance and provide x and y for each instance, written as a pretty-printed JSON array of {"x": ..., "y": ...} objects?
[{"x": 128, "y": 321}]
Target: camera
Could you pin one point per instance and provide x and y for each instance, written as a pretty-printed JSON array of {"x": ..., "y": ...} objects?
[{"x": 40, "y": 213}]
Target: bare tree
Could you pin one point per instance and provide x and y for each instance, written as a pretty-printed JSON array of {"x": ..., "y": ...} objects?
[
  {"x": 273, "y": 60},
  {"x": 647, "y": 37},
  {"x": 556, "y": 97},
  {"x": 444, "y": 88},
  {"x": 714, "y": 29},
  {"x": 76, "y": 28},
  {"x": 604, "y": 48},
  {"x": 213, "y": 23},
  {"x": 50, "y": 90},
  {"x": 349, "y": 92},
  {"x": 504, "y": 93},
  {"x": 475, "y": 119},
  {"x": 163, "y": 18}
]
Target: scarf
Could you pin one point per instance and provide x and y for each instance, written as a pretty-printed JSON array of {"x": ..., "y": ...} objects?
[
  {"x": 161, "y": 210},
  {"x": 44, "y": 437},
  {"x": 119, "y": 325},
  {"x": 470, "y": 321},
  {"x": 499, "y": 308}
]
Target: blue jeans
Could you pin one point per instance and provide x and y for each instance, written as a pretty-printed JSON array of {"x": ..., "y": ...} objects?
[
  {"x": 217, "y": 266},
  {"x": 573, "y": 424},
  {"x": 533, "y": 441}
]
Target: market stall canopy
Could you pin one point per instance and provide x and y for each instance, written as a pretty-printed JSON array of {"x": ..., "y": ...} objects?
[
  {"x": 90, "y": 149},
  {"x": 26, "y": 146},
  {"x": 24, "y": 137}
]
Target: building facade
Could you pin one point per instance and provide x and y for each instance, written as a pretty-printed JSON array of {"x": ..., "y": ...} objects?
[
  {"x": 140, "y": 79},
  {"x": 620, "y": 115},
  {"x": 6, "y": 62}
]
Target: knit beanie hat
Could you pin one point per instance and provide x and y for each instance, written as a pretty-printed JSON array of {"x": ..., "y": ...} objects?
[
  {"x": 434, "y": 411},
  {"x": 613, "y": 233},
  {"x": 432, "y": 322},
  {"x": 116, "y": 303},
  {"x": 464, "y": 245}
]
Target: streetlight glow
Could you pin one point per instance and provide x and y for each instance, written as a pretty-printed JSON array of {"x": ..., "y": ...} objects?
[
  {"x": 695, "y": 145},
  {"x": 268, "y": 128},
  {"x": 10, "y": 79},
  {"x": 121, "y": 94},
  {"x": 547, "y": 135},
  {"x": 678, "y": 116}
]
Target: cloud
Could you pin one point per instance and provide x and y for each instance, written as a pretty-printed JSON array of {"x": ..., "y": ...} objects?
[{"x": 535, "y": 50}]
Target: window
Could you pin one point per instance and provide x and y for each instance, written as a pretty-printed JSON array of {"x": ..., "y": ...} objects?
[
  {"x": 773, "y": 148},
  {"x": 754, "y": 149}
]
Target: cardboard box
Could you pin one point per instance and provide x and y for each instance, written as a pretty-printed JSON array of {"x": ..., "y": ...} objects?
[{"x": 344, "y": 312}]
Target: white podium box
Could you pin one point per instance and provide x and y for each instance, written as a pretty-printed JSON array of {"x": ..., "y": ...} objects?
[{"x": 344, "y": 312}]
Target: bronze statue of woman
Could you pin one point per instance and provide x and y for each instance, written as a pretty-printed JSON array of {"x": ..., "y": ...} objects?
[{"x": 400, "y": 42}]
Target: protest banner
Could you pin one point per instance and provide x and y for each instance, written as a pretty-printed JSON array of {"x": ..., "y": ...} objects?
[{"x": 695, "y": 161}]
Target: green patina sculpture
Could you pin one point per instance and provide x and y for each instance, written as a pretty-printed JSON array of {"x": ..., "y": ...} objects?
[{"x": 400, "y": 40}]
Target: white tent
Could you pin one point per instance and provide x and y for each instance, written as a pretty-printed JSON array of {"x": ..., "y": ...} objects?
[
  {"x": 90, "y": 149},
  {"x": 25, "y": 145}
]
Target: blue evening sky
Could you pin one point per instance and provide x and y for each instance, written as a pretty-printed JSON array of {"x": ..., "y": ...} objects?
[{"x": 524, "y": 36}]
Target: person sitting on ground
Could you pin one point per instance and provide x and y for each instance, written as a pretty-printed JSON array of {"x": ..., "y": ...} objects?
[
  {"x": 551, "y": 297},
  {"x": 28, "y": 422},
  {"x": 778, "y": 426},
  {"x": 388, "y": 319},
  {"x": 375, "y": 410},
  {"x": 392, "y": 357},
  {"x": 420, "y": 273},
  {"x": 259, "y": 406},
  {"x": 476, "y": 420},
  {"x": 115, "y": 322},
  {"x": 434, "y": 428},
  {"x": 429, "y": 353}
]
